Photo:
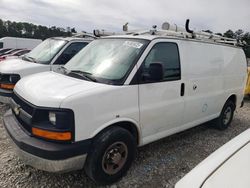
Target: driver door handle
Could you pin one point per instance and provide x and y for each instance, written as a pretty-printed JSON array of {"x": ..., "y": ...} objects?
[{"x": 182, "y": 89}]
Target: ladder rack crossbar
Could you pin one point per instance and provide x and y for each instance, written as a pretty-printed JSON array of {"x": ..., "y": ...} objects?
[
  {"x": 198, "y": 35},
  {"x": 84, "y": 35}
]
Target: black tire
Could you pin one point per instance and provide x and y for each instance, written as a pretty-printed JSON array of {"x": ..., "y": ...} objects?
[
  {"x": 223, "y": 122},
  {"x": 95, "y": 162}
]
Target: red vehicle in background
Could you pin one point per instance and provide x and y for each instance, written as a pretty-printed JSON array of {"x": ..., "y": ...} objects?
[
  {"x": 13, "y": 54},
  {"x": 4, "y": 50}
]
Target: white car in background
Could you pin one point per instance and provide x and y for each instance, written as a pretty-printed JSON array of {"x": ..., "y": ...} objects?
[
  {"x": 228, "y": 167},
  {"x": 15, "y": 42},
  {"x": 50, "y": 54}
]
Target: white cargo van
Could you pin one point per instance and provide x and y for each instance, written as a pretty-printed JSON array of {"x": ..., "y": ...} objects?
[
  {"x": 121, "y": 92},
  {"x": 19, "y": 43},
  {"x": 51, "y": 53}
]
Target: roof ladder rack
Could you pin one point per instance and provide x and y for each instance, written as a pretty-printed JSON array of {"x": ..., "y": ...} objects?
[
  {"x": 84, "y": 35},
  {"x": 103, "y": 33},
  {"x": 179, "y": 32},
  {"x": 201, "y": 35}
]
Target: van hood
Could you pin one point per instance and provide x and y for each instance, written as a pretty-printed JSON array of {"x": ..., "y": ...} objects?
[
  {"x": 49, "y": 89},
  {"x": 21, "y": 67}
]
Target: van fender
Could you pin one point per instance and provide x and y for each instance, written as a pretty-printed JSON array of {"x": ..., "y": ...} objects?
[{"x": 116, "y": 121}]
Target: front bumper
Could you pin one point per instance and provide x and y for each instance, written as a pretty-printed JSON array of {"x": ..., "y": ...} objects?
[
  {"x": 45, "y": 155},
  {"x": 59, "y": 166},
  {"x": 5, "y": 96}
]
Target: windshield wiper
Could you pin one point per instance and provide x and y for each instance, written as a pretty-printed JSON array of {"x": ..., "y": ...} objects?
[
  {"x": 85, "y": 75},
  {"x": 62, "y": 69},
  {"x": 31, "y": 59}
]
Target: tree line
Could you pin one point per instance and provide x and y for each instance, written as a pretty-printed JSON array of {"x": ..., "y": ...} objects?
[
  {"x": 241, "y": 35},
  {"x": 29, "y": 30},
  {"x": 238, "y": 35}
]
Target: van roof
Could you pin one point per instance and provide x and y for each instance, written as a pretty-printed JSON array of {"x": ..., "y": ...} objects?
[
  {"x": 87, "y": 39},
  {"x": 147, "y": 36},
  {"x": 19, "y": 38}
]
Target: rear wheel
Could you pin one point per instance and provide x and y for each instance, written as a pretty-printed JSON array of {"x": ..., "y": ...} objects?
[
  {"x": 226, "y": 116},
  {"x": 111, "y": 156}
]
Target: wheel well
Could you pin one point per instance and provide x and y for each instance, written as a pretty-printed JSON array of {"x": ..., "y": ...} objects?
[
  {"x": 233, "y": 99},
  {"x": 128, "y": 126}
]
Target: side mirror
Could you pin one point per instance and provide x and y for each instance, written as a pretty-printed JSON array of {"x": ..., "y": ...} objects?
[{"x": 156, "y": 71}]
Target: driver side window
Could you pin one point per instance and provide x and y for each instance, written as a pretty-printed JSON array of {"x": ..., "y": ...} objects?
[
  {"x": 166, "y": 54},
  {"x": 70, "y": 52}
]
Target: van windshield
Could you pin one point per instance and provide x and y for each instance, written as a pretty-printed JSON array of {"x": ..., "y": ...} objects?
[
  {"x": 46, "y": 51},
  {"x": 108, "y": 60}
]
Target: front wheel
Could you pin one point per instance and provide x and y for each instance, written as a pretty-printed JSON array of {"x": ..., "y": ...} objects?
[
  {"x": 111, "y": 155},
  {"x": 226, "y": 116}
]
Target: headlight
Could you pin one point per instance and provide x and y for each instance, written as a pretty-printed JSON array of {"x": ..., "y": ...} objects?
[
  {"x": 52, "y": 118},
  {"x": 8, "y": 81},
  {"x": 53, "y": 124},
  {"x": 60, "y": 119}
]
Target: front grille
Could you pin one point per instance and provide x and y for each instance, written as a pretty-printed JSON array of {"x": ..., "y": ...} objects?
[{"x": 26, "y": 107}]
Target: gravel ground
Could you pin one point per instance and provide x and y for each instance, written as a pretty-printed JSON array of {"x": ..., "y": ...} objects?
[{"x": 160, "y": 164}]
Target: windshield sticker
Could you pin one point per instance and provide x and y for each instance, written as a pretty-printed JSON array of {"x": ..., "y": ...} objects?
[{"x": 133, "y": 44}]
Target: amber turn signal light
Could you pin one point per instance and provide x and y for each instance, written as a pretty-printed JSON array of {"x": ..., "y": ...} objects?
[
  {"x": 7, "y": 86},
  {"x": 61, "y": 136}
]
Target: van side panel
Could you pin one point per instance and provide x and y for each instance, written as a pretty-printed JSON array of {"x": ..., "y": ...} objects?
[
  {"x": 204, "y": 81},
  {"x": 214, "y": 73},
  {"x": 234, "y": 73}
]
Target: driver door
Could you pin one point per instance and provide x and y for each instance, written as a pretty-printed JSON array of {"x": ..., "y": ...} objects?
[{"x": 161, "y": 102}]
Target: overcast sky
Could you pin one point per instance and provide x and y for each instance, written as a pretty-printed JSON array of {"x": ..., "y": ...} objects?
[{"x": 216, "y": 15}]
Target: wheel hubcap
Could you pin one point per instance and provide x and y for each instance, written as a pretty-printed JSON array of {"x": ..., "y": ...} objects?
[
  {"x": 227, "y": 115},
  {"x": 114, "y": 158}
]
